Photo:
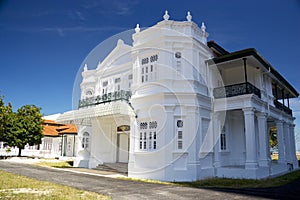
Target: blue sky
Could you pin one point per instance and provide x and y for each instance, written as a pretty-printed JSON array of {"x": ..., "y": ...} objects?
[{"x": 43, "y": 43}]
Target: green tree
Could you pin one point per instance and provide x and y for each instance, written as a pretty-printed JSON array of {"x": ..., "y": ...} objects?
[
  {"x": 24, "y": 127},
  {"x": 5, "y": 112}
]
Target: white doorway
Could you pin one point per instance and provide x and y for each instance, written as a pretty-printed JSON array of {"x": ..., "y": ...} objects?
[{"x": 122, "y": 147}]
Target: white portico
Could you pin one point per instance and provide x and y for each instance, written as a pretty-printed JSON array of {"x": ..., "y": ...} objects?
[
  {"x": 175, "y": 107},
  {"x": 256, "y": 98}
]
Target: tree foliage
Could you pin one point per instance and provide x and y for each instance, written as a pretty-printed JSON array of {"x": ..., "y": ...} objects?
[
  {"x": 5, "y": 112},
  {"x": 273, "y": 137},
  {"x": 22, "y": 127}
]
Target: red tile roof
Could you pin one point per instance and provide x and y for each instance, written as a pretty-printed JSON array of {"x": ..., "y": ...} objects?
[{"x": 51, "y": 128}]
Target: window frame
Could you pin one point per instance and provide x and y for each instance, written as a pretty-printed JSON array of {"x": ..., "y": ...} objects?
[
  {"x": 179, "y": 123},
  {"x": 85, "y": 141},
  {"x": 223, "y": 146}
]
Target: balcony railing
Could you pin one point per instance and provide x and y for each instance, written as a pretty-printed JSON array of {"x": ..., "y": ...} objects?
[
  {"x": 236, "y": 90},
  {"x": 282, "y": 107},
  {"x": 112, "y": 96}
]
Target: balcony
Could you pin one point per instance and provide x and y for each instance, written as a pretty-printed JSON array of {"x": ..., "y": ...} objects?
[
  {"x": 236, "y": 90},
  {"x": 282, "y": 107},
  {"x": 112, "y": 96}
]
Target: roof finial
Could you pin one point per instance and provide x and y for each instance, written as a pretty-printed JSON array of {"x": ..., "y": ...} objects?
[
  {"x": 137, "y": 28},
  {"x": 189, "y": 16},
  {"x": 203, "y": 27},
  {"x": 120, "y": 42},
  {"x": 85, "y": 68},
  {"x": 166, "y": 16}
]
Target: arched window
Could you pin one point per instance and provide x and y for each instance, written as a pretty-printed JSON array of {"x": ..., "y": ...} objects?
[
  {"x": 89, "y": 93},
  {"x": 85, "y": 140}
]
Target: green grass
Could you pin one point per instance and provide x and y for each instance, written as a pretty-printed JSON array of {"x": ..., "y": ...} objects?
[
  {"x": 244, "y": 183},
  {"x": 19, "y": 187},
  {"x": 56, "y": 164},
  {"x": 230, "y": 183},
  {"x": 146, "y": 180}
]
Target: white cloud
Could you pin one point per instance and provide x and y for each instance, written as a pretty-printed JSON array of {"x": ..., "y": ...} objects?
[
  {"x": 80, "y": 15},
  {"x": 112, "y": 7},
  {"x": 62, "y": 31}
]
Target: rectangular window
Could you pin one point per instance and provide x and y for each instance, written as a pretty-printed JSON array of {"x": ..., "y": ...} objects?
[
  {"x": 105, "y": 83},
  {"x": 145, "y": 140},
  {"x": 154, "y": 140},
  {"x": 179, "y": 140},
  {"x": 117, "y": 80},
  {"x": 141, "y": 140},
  {"x": 142, "y": 79},
  {"x": 130, "y": 76},
  {"x": 179, "y": 133},
  {"x": 223, "y": 139},
  {"x": 178, "y": 66},
  {"x": 151, "y": 68},
  {"x": 87, "y": 143},
  {"x": 223, "y": 142},
  {"x": 150, "y": 140}
]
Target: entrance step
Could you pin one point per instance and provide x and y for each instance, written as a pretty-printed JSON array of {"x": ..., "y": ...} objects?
[{"x": 114, "y": 167}]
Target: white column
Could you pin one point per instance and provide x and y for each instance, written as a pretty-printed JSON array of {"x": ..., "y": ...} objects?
[
  {"x": 251, "y": 158},
  {"x": 216, "y": 134},
  {"x": 268, "y": 144},
  {"x": 134, "y": 137},
  {"x": 280, "y": 141},
  {"x": 287, "y": 151},
  {"x": 168, "y": 142},
  {"x": 263, "y": 139},
  {"x": 293, "y": 147}
]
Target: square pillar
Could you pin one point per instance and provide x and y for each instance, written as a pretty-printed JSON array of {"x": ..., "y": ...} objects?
[
  {"x": 216, "y": 133},
  {"x": 280, "y": 141},
  {"x": 293, "y": 147},
  {"x": 263, "y": 139},
  {"x": 251, "y": 158},
  {"x": 287, "y": 142},
  {"x": 169, "y": 135}
]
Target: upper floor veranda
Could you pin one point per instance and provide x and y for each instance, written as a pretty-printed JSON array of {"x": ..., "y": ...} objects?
[{"x": 247, "y": 72}]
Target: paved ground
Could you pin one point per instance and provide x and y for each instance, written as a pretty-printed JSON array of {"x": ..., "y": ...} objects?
[{"x": 125, "y": 189}]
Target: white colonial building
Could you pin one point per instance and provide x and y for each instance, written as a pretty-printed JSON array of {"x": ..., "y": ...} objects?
[{"x": 175, "y": 107}]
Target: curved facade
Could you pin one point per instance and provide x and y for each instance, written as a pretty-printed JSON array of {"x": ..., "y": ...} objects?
[{"x": 175, "y": 107}]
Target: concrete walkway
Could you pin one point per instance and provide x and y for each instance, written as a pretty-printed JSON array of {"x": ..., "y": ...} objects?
[{"x": 96, "y": 181}]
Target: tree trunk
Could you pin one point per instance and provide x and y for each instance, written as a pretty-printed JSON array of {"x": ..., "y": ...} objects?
[{"x": 20, "y": 150}]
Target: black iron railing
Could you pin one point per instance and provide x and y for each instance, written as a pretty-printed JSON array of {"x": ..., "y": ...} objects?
[
  {"x": 112, "y": 96},
  {"x": 282, "y": 107},
  {"x": 236, "y": 90}
]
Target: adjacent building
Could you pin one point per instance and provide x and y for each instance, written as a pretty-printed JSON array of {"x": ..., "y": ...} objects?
[
  {"x": 175, "y": 107},
  {"x": 59, "y": 141}
]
